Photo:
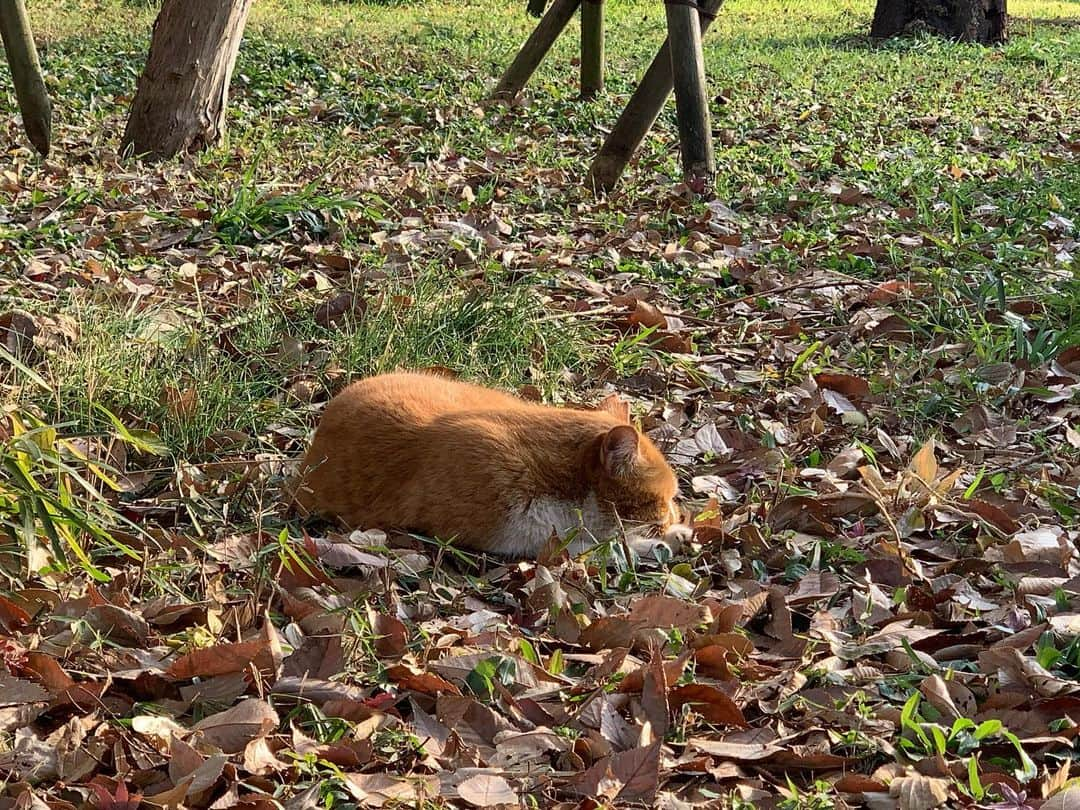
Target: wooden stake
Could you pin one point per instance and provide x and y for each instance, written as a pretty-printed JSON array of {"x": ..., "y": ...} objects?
[
  {"x": 691, "y": 98},
  {"x": 26, "y": 75},
  {"x": 534, "y": 49},
  {"x": 592, "y": 47},
  {"x": 640, "y": 112}
]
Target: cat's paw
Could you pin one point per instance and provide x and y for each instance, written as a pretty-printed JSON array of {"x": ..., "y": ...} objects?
[
  {"x": 668, "y": 546},
  {"x": 677, "y": 536}
]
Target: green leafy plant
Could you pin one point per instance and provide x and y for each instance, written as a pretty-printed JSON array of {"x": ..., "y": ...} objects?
[
  {"x": 53, "y": 498},
  {"x": 963, "y": 738}
]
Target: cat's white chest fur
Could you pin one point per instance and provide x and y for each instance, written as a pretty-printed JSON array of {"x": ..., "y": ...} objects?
[{"x": 529, "y": 527}]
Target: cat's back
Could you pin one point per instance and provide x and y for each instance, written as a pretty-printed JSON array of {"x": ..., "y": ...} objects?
[
  {"x": 417, "y": 398},
  {"x": 386, "y": 445}
]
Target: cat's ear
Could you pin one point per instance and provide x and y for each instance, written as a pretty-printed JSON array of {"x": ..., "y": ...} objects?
[
  {"x": 617, "y": 407},
  {"x": 619, "y": 450}
]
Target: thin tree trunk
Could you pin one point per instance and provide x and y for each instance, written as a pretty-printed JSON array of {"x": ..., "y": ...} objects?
[
  {"x": 535, "y": 49},
  {"x": 183, "y": 93},
  {"x": 640, "y": 112},
  {"x": 26, "y": 75},
  {"x": 691, "y": 96},
  {"x": 592, "y": 47}
]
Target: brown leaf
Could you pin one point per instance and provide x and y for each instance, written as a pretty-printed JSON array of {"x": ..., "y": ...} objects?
[
  {"x": 183, "y": 404},
  {"x": 391, "y": 636},
  {"x": 233, "y": 729},
  {"x": 12, "y": 617},
  {"x": 751, "y": 745},
  {"x": 1042, "y": 545},
  {"x": 1058, "y": 780},
  {"x": 319, "y": 656},
  {"x": 712, "y": 661},
  {"x": 937, "y": 695},
  {"x": 1067, "y": 799},
  {"x": 345, "y": 753},
  {"x": 425, "y": 682},
  {"x": 341, "y": 307},
  {"x": 344, "y": 554},
  {"x": 654, "y": 697},
  {"x": 628, "y": 776},
  {"x": 714, "y": 705},
  {"x": 380, "y": 789},
  {"x": 858, "y": 783},
  {"x": 204, "y": 779},
  {"x": 263, "y": 654},
  {"x": 260, "y": 760},
  {"x": 852, "y": 387},
  {"x": 119, "y": 799},
  {"x": 889, "y": 291},
  {"x": 918, "y": 792},
  {"x": 486, "y": 790},
  {"x": 737, "y": 646},
  {"x": 1015, "y": 669},
  {"x": 837, "y": 402},
  {"x": 994, "y": 515},
  {"x": 432, "y": 734},
  {"x": 673, "y": 670},
  {"x": 48, "y": 672},
  {"x": 645, "y": 314},
  {"x": 803, "y": 514},
  {"x": 672, "y": 342},
  {"x": 608, "y": 632},
  {"x": 924, "y": 464},
  {"x": 668, "y": 612},
  {"x": 158, "y": 729},
  {"x": 614, "y": 728},
  {"x": 16, "y": 691},
  {"x": 118, "y": 624}
]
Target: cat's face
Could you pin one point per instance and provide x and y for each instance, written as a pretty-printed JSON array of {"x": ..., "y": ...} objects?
[{"x": 635, "y": 479}]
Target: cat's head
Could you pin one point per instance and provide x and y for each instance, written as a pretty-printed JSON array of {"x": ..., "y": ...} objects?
[{"x": 632, "y": 475}]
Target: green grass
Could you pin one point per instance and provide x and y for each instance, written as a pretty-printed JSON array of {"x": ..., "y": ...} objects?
[{"x": 180, "y": 373}]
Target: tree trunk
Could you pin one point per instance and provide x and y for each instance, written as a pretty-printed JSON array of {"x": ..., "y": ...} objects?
[
  {"x": 180, "y": 102},
  {"x": 982, "y": 21},
  {"x": 26, "y": 75}
]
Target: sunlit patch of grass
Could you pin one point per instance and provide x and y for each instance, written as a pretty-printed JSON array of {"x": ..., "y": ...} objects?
[{"x": 187, "y": 377}]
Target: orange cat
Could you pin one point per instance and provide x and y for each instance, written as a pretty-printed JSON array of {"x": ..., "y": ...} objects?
[{"x": 482, "y": 468}]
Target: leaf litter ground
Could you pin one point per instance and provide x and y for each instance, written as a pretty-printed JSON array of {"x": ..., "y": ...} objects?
[{"x": 862, "y": 358}]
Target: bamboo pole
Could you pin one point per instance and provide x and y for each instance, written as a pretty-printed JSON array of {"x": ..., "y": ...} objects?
[
  {"x": 26, "y": 75},
  {"x": 592, "y": 47},
  {"x": 534, "y": 49},
  {"x": 691, "y": 98},
  {"x": 640, "y": 112}
]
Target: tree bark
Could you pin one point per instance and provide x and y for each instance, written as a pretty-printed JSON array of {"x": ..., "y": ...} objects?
[
  {"x": 983, "y": 21},
  {"x": 26, "y": 75},
  {"x": 183, "y": 92}
]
